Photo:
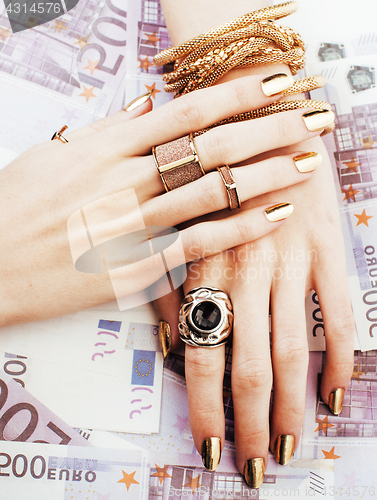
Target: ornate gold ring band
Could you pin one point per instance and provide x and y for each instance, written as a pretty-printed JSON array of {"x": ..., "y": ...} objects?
[
  {"x": 177, "y": 162},
  {"x": 230, "y": 186}
]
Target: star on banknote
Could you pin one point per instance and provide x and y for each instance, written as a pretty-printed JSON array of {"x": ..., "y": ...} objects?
[
  {"x": 128, "y": 479},
  {"x": 161, "y": 473},
  {"x": 363, "y": 218}
]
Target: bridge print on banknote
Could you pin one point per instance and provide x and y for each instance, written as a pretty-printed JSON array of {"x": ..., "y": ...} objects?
[{"x": 27, "y": 14}]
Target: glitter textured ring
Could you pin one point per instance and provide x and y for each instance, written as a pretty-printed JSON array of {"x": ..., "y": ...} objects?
[
  {"x": 177, "y": 162},
  {"x": 230, "y": 186},
  {"x": 58, "y": 135},
  {"x": 205, "y": 317}
]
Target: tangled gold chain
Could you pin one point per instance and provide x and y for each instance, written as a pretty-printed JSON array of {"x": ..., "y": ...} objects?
[
  {"x": 250, "y": 40},
  {"x": 274, "y": 12}
]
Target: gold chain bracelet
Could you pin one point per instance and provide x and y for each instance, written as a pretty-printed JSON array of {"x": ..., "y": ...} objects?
[
  {"x": 275, "y": 12},
  {"x": 250, "y": 40}
]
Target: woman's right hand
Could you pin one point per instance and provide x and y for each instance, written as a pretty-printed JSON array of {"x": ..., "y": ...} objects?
[{"x": 105, "y": 178}]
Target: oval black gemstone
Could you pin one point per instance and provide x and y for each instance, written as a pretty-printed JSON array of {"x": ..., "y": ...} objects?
[{"x": 206, "y": 315}]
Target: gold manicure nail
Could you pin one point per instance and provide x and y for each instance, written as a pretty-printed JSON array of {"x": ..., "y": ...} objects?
[
  {"x": 318, "y": 119},
  {"x": 278, "y": 212},
  {"x": 275, "y": 84},
  {"x": 165, "y": 337},
  {"x": 307, "y": 162},
  {"x": 211, "y": 452},
  {"x": 336, "y": 401},
  {"x": 254, "y": 472},
  {"x": 284, "y": 448},
  {"x": 138, "y": 101}
]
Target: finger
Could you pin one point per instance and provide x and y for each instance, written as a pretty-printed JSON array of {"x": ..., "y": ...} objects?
[
  {"x": 235, "y": 142},
  {"x": 167, "y": 309},
  {"x": 290, "y": 359},
  {"x": 195, "y": 242},
  {"x": 204, "y": 369},
  {"x": 251, "y": 379},
  {"x": 145, "y": 106},
  {"x": 193, "y": 112},
  {"x": 332, "y": 289},
  {"x": 208, "y": 194}
]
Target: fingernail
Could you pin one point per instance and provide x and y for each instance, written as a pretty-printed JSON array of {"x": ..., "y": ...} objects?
[
  {"x": 336, "y": 401},
  {"x": 138, "y": 101},
  {"x": 254, "y": 472},
  {"x": 318, "y": 119},
  {"x": 165, "y": 338},
  {"x": 211, "y": 452},
  {"x": 284, "y": 448},
  {"x": 278, "y": 212},
  {"x": 275, "y": 84},
  {"x": 307, "y": 162}
]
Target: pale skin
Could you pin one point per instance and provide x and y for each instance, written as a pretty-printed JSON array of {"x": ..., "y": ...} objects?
[
  {"x": 314, "y": 229},
  {"x": 45, "y": 186}
]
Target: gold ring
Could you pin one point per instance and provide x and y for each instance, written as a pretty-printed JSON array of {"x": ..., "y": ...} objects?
[
  {"x": 58, "y": 135},
  {"x": 177, "y": 162},
  {"x": 230, "y": 186}
]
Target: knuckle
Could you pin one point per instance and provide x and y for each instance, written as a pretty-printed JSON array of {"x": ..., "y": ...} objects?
[
  {"x": 208, "y": 195},
  {"x": 188, "y": 112},
  {"x": 291, "y": 350},
  {"x": 243, "y": 229},
  {"x": 200, "y": 240},
  {"x": 255, "y": 436},
  {"x": 284, "y": 130},
  {"x": 342, "y": 323},
  {"x": 217, "y": 147},
  {"x": 293, "y": 413},
  {"x": 209, "y": 412},
  {"x": 201, "y": 363},
  {"x": 241, "y": 95},
  {"x": 342, "y": 368},
  {"x": 251, "y": 374}
]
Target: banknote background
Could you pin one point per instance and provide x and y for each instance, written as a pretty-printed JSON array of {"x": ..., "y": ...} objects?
[{"x": 80, "y": 374}]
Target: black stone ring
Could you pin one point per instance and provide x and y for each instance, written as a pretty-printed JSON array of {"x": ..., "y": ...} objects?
[{"x": 205, "y": 317}]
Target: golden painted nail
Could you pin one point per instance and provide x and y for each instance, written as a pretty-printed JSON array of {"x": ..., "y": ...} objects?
[
  {"x": 211, "y": 452},
  {"x": 336, "y": 401},
  {"x": 278, "y": 212},
  {"x": 165, "y": 338},
  {"x": 307, "y": 162},
  {"x": 254, "y": 472},
  {"x": 318, "y": 119},
  {"x": 284, "y": 448},
  {"x": 138, "y": 101},
  {"x": 275, "y": 84}
]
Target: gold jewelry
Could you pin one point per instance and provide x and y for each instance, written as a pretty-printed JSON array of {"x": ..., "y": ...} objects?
[
  {"x": 230, "y": 186},
  {"x": 177, "y": 162},
  {"x": 274, "y": 12},
  {"x": 58, "y": 135},
  {"x": 276, "y": 107},
  {"x": 205, "y": 317}
]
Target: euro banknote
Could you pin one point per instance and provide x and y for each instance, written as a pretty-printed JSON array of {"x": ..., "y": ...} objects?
[
  {"x": 39, "y": 472},
  {"x": 93, "y": 339},
  {"x": 24, "y": 418},
  {"x": 352, "y": 149},
  {"x": 130, "y": 402}
]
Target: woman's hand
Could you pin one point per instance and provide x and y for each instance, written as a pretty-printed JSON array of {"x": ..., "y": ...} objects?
[
  {"x": 105, "y": 177},
  {"x": 273, "y": 273}
]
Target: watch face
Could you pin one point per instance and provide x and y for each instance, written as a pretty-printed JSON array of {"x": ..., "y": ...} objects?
[
  {"x": 331, "y": 52},
  {"x": 361, "y": 78}
]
